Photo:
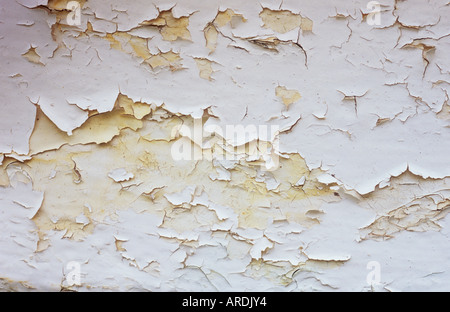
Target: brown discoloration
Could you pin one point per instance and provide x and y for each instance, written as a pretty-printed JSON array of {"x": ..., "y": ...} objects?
[{"x": 171, "y": 28}]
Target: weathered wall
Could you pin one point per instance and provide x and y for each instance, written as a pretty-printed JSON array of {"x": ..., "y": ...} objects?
[{"x": 224, "y": 145}]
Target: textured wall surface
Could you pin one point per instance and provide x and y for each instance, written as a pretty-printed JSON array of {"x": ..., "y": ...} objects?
[{"x": 224, "y": 145}]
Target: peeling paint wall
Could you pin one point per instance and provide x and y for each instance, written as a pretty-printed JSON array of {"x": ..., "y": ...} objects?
[{"x": 217, "y": 146}]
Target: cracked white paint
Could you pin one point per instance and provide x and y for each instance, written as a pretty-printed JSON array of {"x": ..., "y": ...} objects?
[
  {"x": 91, "y": 115},
  {"x": 120, "y": 175}
]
